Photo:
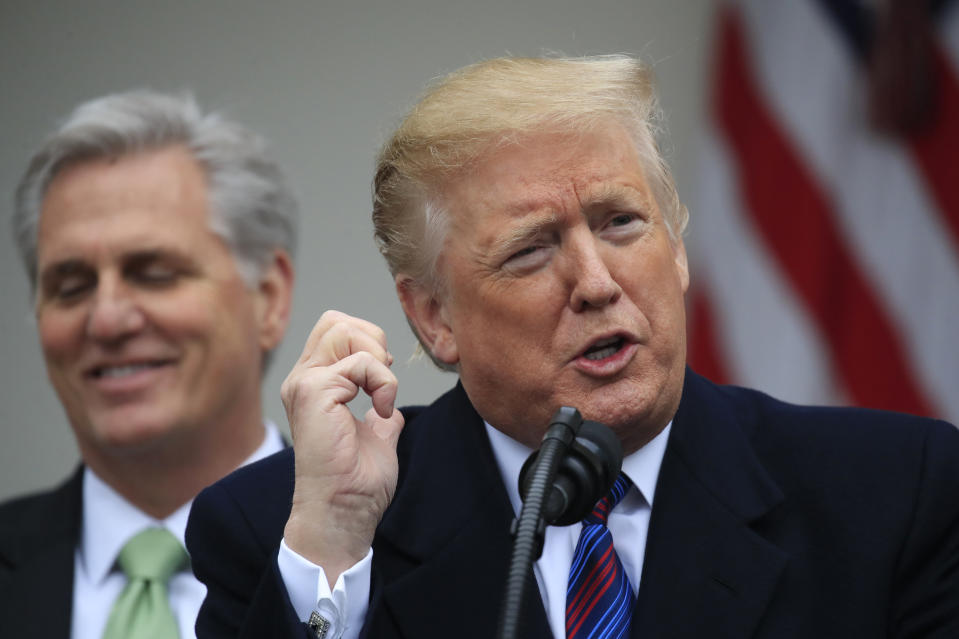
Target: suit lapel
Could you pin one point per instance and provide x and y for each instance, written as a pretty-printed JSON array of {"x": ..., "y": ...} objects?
[
  {"x": 37, "y": 553},
  {"x": 707, "y": 572},
  {"x": 448, "y": 530}
]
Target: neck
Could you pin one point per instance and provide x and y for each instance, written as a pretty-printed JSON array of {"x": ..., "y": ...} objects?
[{"x": 163, "y": 477}]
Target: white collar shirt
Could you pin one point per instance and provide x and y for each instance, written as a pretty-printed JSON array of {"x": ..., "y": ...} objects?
[
  {"x": 108, "y": 522},
  {"x": 628, "y": 522},
  {"x": 345, "y": 605}
]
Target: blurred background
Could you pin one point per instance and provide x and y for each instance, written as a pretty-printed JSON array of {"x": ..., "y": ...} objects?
[{"x": 815, "y": 143}]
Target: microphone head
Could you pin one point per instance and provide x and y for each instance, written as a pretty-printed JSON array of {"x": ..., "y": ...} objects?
[{"x": 587, "y": 472}]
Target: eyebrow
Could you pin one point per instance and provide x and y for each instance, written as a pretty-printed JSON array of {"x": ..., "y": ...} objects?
[
  {"x": 66, "y": 267},
  {"x": 522, "y": 233},
  {"x": 605, "y": 195},
  {"x": 146, "y": 256},
  {"x": 63, "y": 269},
  {"x": 617, "y": 195},
  {"x": 72, "y": 266}
]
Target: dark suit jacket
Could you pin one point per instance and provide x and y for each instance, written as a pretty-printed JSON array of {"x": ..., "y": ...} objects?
[
  {"x": 38, "y": 540},
  {"x": 769, "y": 520}
]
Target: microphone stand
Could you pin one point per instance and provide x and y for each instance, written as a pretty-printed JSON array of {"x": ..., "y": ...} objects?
[
  {"x": 529, "y": 529},
  {"x": 560, "y": 483}
]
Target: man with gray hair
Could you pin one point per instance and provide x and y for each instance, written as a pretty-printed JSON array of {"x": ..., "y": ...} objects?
[
  {"x": 535, "y": 238},
  {"x": 158, "y": 240}
]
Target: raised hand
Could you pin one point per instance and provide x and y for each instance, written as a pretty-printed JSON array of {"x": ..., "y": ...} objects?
[{"x": 346, "y": 469}]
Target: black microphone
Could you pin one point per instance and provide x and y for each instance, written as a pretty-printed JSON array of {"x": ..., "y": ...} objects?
[
  {"x": 585, "y": 475},
  {"x": 576, "y": 465}
]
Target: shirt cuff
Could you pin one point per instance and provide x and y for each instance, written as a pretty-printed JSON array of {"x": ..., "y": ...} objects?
[{"x": 344, "y": 607}]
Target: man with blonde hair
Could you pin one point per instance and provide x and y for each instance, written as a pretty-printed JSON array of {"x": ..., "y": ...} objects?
[
  {"x": 535, "y": 238},
  {"x": 158, "y": 241}
]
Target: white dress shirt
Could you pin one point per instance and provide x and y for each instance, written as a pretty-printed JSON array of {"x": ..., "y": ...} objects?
[
  {"x": 109, "y": 521},
  {"x": 345, "y": 606},
  {"x": 628, "y": 522}
]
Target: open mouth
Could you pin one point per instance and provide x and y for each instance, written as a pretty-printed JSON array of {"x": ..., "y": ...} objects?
[
  {"x": 604, "y": 348},
  {"x": 112, "y": 372}
]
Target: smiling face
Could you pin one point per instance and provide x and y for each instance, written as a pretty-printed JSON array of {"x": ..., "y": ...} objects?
[
  {"x": 150, "y": 336},
  {"x": 562, "y": 287}
]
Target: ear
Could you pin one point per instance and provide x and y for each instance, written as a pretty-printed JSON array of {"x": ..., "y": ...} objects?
[
  {"x": 273, "y": 298},
  {"x": 682, "y": 266},
  {"x": 429, "y": 317}
]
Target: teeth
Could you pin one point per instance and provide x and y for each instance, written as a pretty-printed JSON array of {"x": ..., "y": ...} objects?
[
  {"x": 121, "y": 371},
  {"x": 602, "y": 353},
  {"x": 603, "y": 348}
]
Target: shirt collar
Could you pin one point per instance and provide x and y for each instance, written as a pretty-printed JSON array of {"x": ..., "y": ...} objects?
[
  {"x": 642, "y": 466},
  {"x": 109, "y": 520}
]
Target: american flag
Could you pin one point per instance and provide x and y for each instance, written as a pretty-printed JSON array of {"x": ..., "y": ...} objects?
[{"x": 825, "y": 237}]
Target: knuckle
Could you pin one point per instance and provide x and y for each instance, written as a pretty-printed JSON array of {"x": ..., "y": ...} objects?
[
  {"x": 287, "y": 392},
  {"x": 331, "y": 316},
  {"x": 365, "y": 358}
]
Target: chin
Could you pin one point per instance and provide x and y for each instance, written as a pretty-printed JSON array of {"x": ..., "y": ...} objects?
[
  {"x": 131, "y": 433},
  {"x": 630, "y": 411},
  {"x": 617, "y": 415}
]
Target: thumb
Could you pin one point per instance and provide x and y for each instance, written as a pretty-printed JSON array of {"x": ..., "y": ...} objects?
[{"x": 388, "y": 429}]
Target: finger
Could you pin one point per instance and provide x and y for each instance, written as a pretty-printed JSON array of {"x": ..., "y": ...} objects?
[
  {"x": 344, "y": 339},
  {"x": 373, "y": 376},
  {"x": 337, "y": 335},
  {"x": 332, "y": 387},
  {"x": 386, "y": 429}
]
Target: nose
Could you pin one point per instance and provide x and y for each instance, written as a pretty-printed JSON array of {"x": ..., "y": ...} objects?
[
  {"x": 114, "y": 312},
  {"x": 593, "y": 284}
]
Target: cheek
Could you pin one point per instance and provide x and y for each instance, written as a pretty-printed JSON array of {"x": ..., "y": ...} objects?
[
  {"x": 60, "y": 333},
  {"x": 514, "y": 318},
  {"x": 197, "y": 329},
  {"x": 203, "y": 312},
  {"x": 221, "y": 322},
  {"x": 656, "y": 289}
]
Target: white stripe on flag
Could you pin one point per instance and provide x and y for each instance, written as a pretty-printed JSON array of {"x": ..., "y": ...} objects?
[
  {"x": 770, "y": 345},
  {"x": 887, "y": 218},
  {"x": 890, "y": 224}
]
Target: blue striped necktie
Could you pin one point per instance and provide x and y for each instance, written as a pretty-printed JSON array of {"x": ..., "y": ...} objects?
[{"x": 599, "y": 600}]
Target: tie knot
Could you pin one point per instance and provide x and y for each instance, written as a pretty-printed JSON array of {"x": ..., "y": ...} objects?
[
  {"x": 604, "y": 506},
  {"x": 154, "y": 554}
]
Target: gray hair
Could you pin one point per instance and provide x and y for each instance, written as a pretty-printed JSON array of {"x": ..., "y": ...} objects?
[
  {"x": 476, "y": 109},
  {"x": 251, "y": 206}
]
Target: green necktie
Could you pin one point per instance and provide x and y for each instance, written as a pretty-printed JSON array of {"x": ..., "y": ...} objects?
[{"x": 142, "y": 611}]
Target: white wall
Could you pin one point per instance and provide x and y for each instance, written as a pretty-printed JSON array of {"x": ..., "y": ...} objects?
[{"x": 324, "y": 82}]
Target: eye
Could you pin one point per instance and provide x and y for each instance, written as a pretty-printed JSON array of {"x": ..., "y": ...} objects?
[
  {"x": 153, "y": 273},
  {"x": 527, "y": 259},
  {"x": 529, "y": 250},
  {"x": 622, "y": 226},
  {"x": 73, "y": 286},
  {"x": 67, "y": 282}
]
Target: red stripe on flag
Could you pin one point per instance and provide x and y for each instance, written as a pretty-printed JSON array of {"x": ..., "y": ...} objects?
[
  {"x": 705, "y": 355},
  {"x": 792, "y": 214},
  {"x": 936, "y": 149}
]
